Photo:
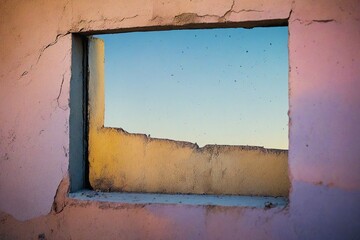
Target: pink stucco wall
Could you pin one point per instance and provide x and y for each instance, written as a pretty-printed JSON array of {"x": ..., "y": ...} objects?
[{"x": 324, "y": 156}]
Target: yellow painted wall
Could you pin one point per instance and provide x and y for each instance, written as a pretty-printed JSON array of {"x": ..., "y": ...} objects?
[{"x": 120, "y": 161}]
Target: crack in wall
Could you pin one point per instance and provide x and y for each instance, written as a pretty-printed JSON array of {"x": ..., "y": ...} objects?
[
  {"x": 125, "y": 18},
  {"x": 186, "y": 18},
  {"x": 59, "y": 95},
  {"x": 230, "y": 10},
  {"x": 41, "y": 52},
  {"x": 239, "y": 11},
  {"x": 189, "y": 17},
  {"x": 51, "y": 44},
  {"x": 102, "y": 20},
  {"x": 323, "y": 21},
  {"x": 290, "y": 12},
  {"x": 309, "y": 22}
]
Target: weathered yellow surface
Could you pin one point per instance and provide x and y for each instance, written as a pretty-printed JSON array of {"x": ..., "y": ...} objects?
[{"x": 120, "y": 161}]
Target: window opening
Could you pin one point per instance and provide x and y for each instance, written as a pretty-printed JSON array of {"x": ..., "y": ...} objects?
[
  {"x": 224, "y": 86},
  {"x": 135, "y": 158}
]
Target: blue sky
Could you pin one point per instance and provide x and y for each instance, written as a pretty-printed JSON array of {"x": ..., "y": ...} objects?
[{"x": 214, "y": 86}]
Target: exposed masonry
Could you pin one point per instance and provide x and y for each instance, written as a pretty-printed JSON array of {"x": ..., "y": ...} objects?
[
  {"x": 61, "y": 195},
  {"x": 192, "y": 17},
  {"x": 186, "y": 18}
]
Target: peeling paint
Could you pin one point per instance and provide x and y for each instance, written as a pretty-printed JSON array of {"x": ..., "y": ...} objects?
[
  {"x": 60, "y": 196},
  {"x": 187, "y": 18},
  {"x": 84, "y": 25}
]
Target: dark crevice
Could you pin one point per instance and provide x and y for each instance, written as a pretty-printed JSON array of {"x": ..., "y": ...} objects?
[{"x": 86, "y": 113}]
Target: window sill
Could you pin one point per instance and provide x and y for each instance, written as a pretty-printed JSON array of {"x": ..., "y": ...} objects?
[{"x": 183, "y": 199}]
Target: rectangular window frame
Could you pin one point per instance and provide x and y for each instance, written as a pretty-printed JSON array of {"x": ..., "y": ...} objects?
[{"x": 79, "y": 165}]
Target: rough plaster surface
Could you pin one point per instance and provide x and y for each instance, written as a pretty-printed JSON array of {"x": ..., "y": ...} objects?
[
  {"x": 327, "y": 138},
  {"x": 120, "y": 161},
  {"x": 184, "y": 199},
  {"x": 324, "y": 162}
]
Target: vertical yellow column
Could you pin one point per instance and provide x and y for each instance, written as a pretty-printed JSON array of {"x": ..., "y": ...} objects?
[
  {"x": 96, "y": 107},
  {"x": 96, "y": 104}
]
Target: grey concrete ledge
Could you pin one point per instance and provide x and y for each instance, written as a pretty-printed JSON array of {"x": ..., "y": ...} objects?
[{"x": 185, "y": 199}]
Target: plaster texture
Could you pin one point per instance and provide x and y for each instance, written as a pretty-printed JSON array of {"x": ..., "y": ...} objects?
[{"x": 324, "y": 130}]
